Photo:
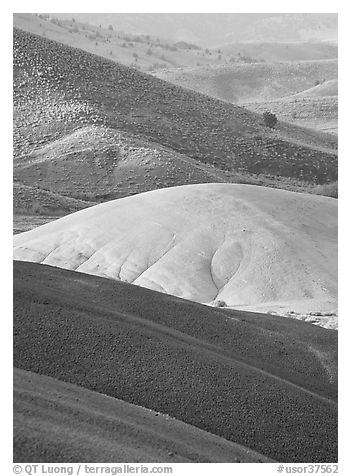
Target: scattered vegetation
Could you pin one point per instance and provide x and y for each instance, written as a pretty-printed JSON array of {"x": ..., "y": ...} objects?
[
  {"x": 187, "y": 46},
  {"x": 52, "y": 102}
]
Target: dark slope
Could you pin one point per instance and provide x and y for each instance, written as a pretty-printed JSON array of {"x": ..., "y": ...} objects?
[
  {"x": 56, "y": 421},
  {"x": 37, "y": 200},
  {"x": 59, "y": 89},
  {"x": 97, "y": 163},
  {"x": 251, "y": 385}
]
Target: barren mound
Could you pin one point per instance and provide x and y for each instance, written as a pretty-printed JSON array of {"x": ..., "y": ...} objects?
[
  {"x": 266, "y": 383},
  {"x": 241, "y": 244}
]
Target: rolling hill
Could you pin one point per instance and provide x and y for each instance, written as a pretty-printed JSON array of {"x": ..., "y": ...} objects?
[
  {"x": 268, "y": 384},
  {"x": 148, "y": 52},
  {"x": 316, "y": 111},
  {"x": 38, "y": 201},
  {"x": 302, "y": 93},
  {"x": 61, "y": 422},
  {"x": 73, "y": 108},
  {"x": 214, "y": 29},
  {"x": 159, "y": 320},
  {"x": 324, "y": 89},
  {"x": 242, "y": 83},
  {"x": 143, "y": 52},
  {"x": 275, "y": 51},
  {"x": 98, "y": 163},
  {"x": 251, "y": 247}
]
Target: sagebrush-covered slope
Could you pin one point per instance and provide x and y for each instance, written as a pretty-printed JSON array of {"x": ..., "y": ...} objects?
[
  {"x": 241, "y": 83},
  {"x": 59, "y": 89}
]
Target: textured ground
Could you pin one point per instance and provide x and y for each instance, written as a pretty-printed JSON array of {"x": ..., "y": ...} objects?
[
  {"x": 143, "y": 52},
  {"x": 149, "y": 53},
  {"x": 269, "y": 385},
  {"x": 302, "y": 93},
  {"x": 56, "y": 421},
  {"x": 308, "y": 109},
  {"x": 241, "y": 83},
  {"x": 115, "y": 131},
  {"x": 279, "y": 51},
  {"x": 211, "y": 29},
  {"x": 247, "y": 246}
]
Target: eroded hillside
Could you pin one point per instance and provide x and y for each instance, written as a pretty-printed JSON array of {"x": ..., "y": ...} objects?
[{"x": 60, "y": 93}]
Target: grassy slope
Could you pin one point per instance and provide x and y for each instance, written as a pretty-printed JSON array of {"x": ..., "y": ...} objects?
[
  {"x": 315, "y": 107},
  {"x": 253, "y": 82},
  {"x": 56, "y": 421},
  {"x": 34, "y": 199},
  {"x": 326, "y": 88},
  {"x": 286, "y": 89},
  {"x": 146, "y": 53},
  {"x": 25, "y": 222},
  {"x": 100, "y": 164},
  {"x": 210, "y": 28},
  {"x": 283, "y": 51},
  {"x": 59, "y": 90},
  {"x": 260, "y": 388},
  {"x": 317, "y": 112}
]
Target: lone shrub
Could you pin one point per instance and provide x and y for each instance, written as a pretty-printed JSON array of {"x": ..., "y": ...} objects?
[
  {"x": 269, "y": 119},
  {"x": 220, "y": 303}
]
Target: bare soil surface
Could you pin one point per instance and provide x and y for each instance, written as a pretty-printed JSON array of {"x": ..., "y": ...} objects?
[
  {"x": 261, "y": 388},
  {"x": 248, "y": 246},
  {"x": 59, "y": 422}
]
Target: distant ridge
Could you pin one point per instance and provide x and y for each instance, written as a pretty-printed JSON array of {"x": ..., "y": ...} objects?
[{"x": 209, "y": 29}]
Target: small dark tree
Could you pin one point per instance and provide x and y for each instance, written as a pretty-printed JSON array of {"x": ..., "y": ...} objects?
[
  {"x": 110, "y": 27},
  {"x": 269, "y": 119}
]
